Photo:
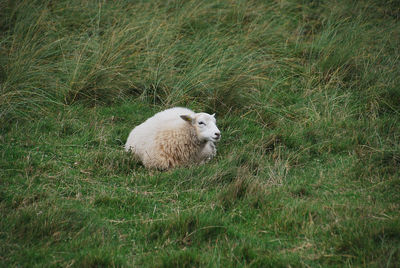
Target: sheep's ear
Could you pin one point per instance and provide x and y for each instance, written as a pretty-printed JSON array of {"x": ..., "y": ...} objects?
[
  {"x": 187, "y": 118},
  {"x": 213, "y": 115}
]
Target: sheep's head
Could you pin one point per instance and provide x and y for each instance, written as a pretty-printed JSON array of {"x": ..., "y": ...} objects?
[{"x": 205, "y": 125}]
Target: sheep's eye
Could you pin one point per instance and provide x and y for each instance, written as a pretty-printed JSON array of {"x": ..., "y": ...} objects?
[{"x": 202, "y": 123}]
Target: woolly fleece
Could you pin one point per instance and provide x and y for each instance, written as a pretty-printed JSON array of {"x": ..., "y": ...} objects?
[{"x": 167, "y": 140}]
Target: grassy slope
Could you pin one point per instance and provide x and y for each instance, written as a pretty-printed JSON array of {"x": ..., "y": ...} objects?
[{"x": 307, "y": 97}]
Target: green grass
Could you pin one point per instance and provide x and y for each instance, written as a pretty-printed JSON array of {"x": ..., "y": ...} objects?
[{"x": 307, "y": 96}]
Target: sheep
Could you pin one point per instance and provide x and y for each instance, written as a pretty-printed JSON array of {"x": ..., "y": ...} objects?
[{"x": 174, "y": 137}]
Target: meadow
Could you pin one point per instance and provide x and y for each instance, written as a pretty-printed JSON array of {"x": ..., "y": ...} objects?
[{"x": 306, "y": 95}]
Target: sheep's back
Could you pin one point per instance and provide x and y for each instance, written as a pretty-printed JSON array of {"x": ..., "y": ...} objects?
[{"x": 161, "y": 135}]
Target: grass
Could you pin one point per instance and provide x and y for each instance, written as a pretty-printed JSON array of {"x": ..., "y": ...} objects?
[{"x": 307, "y": 97}]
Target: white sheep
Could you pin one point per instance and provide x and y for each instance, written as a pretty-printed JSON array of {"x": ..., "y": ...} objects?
[{"x": 174, "y": 137}]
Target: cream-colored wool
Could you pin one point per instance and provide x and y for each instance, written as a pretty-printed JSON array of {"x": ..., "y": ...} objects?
[{"x": 174, "y": 137}]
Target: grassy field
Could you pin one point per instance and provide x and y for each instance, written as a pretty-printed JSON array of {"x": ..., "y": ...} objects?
[{"x": 307, "y": 96}]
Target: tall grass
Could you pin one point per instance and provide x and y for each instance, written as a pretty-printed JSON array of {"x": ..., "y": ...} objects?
[{"x": 306, "y": 95}]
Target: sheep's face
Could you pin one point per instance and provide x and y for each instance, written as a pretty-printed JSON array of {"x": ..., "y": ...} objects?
[{"x": 205, "y": 126}]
